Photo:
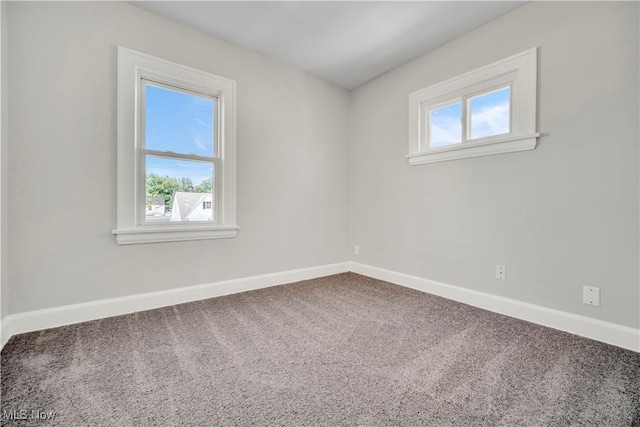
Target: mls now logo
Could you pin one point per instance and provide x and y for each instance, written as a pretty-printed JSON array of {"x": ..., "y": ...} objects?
[{"x": 28, "y": 414}]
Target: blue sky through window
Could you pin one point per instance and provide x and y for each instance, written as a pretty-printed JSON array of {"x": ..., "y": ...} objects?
[
  {"x": 182, "y": 123},
  {"x": 178, "y": 122},
  {"x": 445, "y": 125},
  {"x": 490, "y": 114},
  {"x": 179, "y": 168}
]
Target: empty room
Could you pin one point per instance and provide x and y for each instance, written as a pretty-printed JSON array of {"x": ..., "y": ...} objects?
[{"x": 308, "y": 213}]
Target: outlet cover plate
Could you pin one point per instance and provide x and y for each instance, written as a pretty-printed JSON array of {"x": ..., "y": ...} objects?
[{"x": 591, "y": 295}]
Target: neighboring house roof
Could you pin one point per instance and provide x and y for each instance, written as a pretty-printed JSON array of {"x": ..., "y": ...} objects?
[{"x": 187, "y": 202}]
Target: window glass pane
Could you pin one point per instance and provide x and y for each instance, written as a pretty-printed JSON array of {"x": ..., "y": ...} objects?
[
  {"x": 178, "y": 121},
  {"x": 178, "y": 190},
  {"x": 489, "y": 114},
  {"x": 445, "y": 125}
]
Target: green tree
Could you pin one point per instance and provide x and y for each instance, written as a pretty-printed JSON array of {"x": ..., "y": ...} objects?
[
  {"x": 204, "y": 186},
  {"x": 162, "y": 186},
  {"x": 186, "y": 185},
  {"x": 167, "y": 186}
]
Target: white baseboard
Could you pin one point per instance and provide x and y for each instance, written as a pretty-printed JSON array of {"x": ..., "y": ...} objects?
[
  {"x": 610, "y": 333},
  {"x": 5, "y": 331},
  {"x": 76, "y": 313}
]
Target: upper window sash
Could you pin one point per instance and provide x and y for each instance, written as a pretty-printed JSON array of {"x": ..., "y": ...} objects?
[
  {"x": 518, "y": 73},
  {"x": 183, "y": 88}
]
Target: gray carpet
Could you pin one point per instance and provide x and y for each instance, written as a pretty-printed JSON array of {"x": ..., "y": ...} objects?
[{"x": 340, "y": 350}]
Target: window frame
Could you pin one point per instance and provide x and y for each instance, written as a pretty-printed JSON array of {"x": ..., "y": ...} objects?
[
  {"x": 144, "y": 152},
  {"x": 134, "y": 69},
  {"x": 518, "y": 72}
]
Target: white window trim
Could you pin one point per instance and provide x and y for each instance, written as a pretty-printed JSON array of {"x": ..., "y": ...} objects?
[
  {"x": 518, "y": 71},
  {"x": 132, "y": 68}
]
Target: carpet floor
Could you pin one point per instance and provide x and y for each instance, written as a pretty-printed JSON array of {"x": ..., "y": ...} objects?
[{"x": 340, "y": 350}]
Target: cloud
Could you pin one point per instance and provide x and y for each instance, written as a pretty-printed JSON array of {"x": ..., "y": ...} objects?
[
  {"x": 199, "y": 144},
  {"x": 445, "y": 131},
  {"x": 206, "y": 124},
  {"x": 490, "y": 120},
  {"x": 198, "y": 141}
]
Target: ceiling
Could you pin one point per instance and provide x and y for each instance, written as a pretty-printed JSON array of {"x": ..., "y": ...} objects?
[{"x": 345, "y": 42}]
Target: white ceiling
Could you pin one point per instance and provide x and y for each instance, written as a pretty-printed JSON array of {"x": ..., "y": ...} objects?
[{"x": 345, "y": 42}]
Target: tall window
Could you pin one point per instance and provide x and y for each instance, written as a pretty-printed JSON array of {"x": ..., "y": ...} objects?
[
  {"x": 176, "y": 152},
  {"x": 491, "y": 110}
]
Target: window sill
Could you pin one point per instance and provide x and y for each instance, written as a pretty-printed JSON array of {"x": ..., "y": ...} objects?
[
  {"x": 174, "y": 234},
  {"x": 486, "y": 148}
]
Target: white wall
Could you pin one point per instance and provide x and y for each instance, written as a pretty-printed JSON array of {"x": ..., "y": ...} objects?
[
  {"x": 292, "y": 159},
  {"x": 4, "y": 287},
  {"x": 560, "y": 217}
]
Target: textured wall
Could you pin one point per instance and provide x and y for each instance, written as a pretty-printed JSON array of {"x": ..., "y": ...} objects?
[
  {"x": 559, "y": 217},
  {"x": 292, "y": 159}
]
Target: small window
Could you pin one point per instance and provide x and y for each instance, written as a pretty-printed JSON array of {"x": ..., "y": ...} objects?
[
  {"x": 174, "y": 124},
  {"x": 487, "y": 111}
]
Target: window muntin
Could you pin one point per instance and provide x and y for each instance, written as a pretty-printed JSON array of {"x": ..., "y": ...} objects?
[
  {"x": 445, "y": 125},
  {"x": 489, "y": 113}
]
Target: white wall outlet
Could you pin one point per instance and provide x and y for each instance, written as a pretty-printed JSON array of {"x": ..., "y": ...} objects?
[
  {"x": 591, "y": 295},
  {"x": 356, "y": 250},
  {"x": 501, "y": 272}
]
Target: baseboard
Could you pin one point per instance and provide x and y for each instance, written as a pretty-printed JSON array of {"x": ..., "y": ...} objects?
[
  {"x": 5, "y": 331},
  {"x": 610, "y": 333},
  {"x": 76, "y": 313}
]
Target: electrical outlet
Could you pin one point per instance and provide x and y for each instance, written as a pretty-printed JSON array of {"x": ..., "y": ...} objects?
[
  {"x": 501, "y": 272},
  {"x": 356, "y": 250},
  {"x": 591, "y": 295}
]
